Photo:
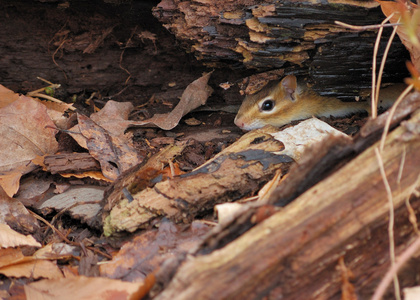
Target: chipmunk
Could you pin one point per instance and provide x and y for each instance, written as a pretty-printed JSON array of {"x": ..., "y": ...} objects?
[{"x": 285, "y": 101}]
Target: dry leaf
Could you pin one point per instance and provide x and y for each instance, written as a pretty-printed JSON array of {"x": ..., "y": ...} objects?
[
  {"x": 13, "y": 213},
  {"x": 82, "y": 288},
  {"x": 389, "y": 7},
  {"x": 114, "y": 117},
  {"x": 226, "y": 212},
  {"x": 57, "y": 251},
  {"x": 11, "y": 238},
  {"x": 14, "y": 264},
  {"x": 149, "y": 250},
  {"x": 33, "y": 269},
  {"x": 91, "y": 174},
  {"x": 192, "y": 122},
  {"x": 9, "y": 180},
  {"x": 26, "y": 131},
  {"x": 56, "y": 112},
  {"x": 347, "y": 288},
  {"x": 298, "y": 138},
  {"x": 31, "y": 189},
  {"x": 10, "y": 256},
  {"x": 114, "y": 154},
  {"x": 195, "y": 95},
  {"x": 7, "y": 96}
]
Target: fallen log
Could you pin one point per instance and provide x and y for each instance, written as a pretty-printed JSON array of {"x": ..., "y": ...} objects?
[
  {"x": 297, "y": 37},
  {"x": 298, "y": 252}
]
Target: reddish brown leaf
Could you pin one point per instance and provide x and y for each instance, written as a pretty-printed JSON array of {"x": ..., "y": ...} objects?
[
  {"x": 409, "y": 28},
  {"x": 415, "y": 76},
  {"x": 347, "y": 288}
]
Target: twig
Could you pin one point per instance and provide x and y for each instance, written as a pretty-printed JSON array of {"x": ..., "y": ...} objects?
[
  {"x": 391, "y": 114},
  {"x": 375, "y": 53},
  {"x": 64, "y": 238},
  {"x": 53, "y": 58},
  {"x": 400, "y": 171},
  {"x": 366, "y": 27},
  {"x": 401, "y": 260},
  {"x": 39, "y": 95},
  {"x": 391, "y": 221},
  {"x": 249, "y": 199},
  {"x": 122, "y": 54},
  {"x": 207, "y": 222},
  {"x": 381, "y": 68},
  {"x": 52, "y": 85},
  {"x": 117, "y": 94},
  {"x": 124, "y": 69}
]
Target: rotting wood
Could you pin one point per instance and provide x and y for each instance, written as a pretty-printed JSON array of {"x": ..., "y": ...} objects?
[
  {"x": 71, "y": 162},
  {"x": 318, "y": 162},
  {"x": 325, "y": 158},
  {"x": 294, "y": 253},
  {"x": 238, "y": 170},
  {"x": 296, "y": 36},
  {"x": 139, "y": 177}
]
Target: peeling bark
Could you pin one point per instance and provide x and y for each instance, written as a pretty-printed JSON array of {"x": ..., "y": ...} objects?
[{"x": 239, "y": 170}]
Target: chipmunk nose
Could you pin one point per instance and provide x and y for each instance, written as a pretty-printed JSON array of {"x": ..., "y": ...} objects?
[{"x": 239, "y": 123}]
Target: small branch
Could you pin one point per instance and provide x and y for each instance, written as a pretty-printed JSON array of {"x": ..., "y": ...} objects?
[
  {"x": 375, "y": 54},
  {"x": 402, "y": 259},
  {"x": 53, "y": 57},
  {"x": 366, "y": 27},
  {"x": 381, "y": 68},
  {"x": 391, "y": 114},
  {"x": 39, "y": 95},
  {"x": 64, "y": 238}
]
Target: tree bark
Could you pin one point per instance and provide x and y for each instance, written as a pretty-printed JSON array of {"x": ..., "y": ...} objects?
[{"x": 299, "y": 37}]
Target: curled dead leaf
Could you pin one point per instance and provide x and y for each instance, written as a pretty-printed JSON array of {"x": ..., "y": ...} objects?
[{"x": 195, "y": 95}]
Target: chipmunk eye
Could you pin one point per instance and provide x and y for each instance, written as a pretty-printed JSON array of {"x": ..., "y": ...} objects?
[{"x": 267, "y": 105}]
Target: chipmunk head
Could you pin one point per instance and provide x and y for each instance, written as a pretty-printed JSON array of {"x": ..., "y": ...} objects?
[{"x": 273, "y": 105}]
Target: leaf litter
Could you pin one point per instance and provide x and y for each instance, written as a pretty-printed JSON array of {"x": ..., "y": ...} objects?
[{"x": 31, "y": 247}]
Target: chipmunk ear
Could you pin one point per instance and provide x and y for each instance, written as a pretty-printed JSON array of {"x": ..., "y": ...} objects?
[{"x": 289, "y": 85}]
